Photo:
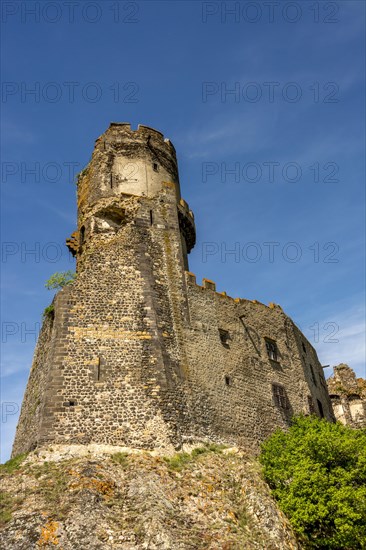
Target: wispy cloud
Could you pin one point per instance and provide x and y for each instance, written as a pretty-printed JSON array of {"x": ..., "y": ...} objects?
[{"x": 344, "y": 340}]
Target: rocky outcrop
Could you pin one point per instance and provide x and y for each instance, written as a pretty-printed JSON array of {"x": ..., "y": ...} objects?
[{"x": 104, "y": 497}]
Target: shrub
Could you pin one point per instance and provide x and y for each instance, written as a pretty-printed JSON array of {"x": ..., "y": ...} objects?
[
  {"x": 60, "y": 279},
  {"x": 49, "y": 311},
  {"x": 317, "y": 472}
]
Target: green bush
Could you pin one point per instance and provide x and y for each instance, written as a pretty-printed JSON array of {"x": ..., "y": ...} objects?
[
  {"x": 49, "y": 311},
  {"x": 317, "y": 473},
  {"x": 60, "y": 279}
]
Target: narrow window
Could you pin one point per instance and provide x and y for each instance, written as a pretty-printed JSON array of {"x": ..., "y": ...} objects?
[
  {"x": 70, "y": 404},
  {"x": 227, "y": 380},
  {"x": 155, "y": 167},
  {"x": 111, "y": 181},
  {"x": 224, "y": 337},
  {"x": 272, "y": 350},
  {"x": 311, "y": 405},
  {"x": 279, "y": 396},
  {"x": 98, "y": 369},
  {"x": 313, "y": 375},
  {"x": 303, "y": 347},
  {"x": 320, "y": 408},
  {"x": 82, "y": 235},
  {"x": 151, "y": 217}
]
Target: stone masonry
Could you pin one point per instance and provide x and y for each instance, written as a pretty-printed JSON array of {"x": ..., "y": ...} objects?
[
  {"x": 348, "y": 396},
  {"x": 135, "y": 353}
]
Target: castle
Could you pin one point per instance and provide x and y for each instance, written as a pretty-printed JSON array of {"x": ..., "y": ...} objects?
[{"x": 134, "y": 352}]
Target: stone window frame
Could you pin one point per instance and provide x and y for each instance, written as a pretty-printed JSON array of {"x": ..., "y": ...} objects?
[
  {"x": 272, "y": 349},
  {"x": 279, "y": 396},
  {"x": 224, "y": 337}
]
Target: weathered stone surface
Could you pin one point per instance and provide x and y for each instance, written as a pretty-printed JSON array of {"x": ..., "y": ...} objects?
[
  {"x": 92, "y": 498},
  {"x": 137, "y": 354},
  {"x": 348, "y": 396}
]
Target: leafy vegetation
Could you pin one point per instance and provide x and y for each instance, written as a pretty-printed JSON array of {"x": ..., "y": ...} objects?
[
  {"x": 49, "y": 311},
  {"x": 317, "y": 473},
  {"x": 60, "y": 279}
]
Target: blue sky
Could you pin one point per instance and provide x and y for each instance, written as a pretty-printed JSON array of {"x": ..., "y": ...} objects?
[{"x": 266, "y": 111}]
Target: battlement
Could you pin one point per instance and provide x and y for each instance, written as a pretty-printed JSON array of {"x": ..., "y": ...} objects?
[
  {"x": 209, "y": 285},
  {"x": 141, "y": 133}
]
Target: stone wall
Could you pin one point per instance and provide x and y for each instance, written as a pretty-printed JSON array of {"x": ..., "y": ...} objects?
[
  {"x": 236, "y": 390},
  {"x": 137, "y": 353},
  {"x": 348, "y": 396}
]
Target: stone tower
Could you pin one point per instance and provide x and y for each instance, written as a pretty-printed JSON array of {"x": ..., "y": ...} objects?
[{"x": 136, "y": 353}]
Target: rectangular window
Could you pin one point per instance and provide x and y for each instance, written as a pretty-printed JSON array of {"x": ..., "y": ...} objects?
[
  {"x": 228, "y": 380},
  {"x": 279, "y": 396},
  {"x": 224, "y": 337},
  {"x": 272, "y": 350}
]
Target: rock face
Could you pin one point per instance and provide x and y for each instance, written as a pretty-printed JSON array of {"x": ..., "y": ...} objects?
[
  {"x": 95, "y": 497},
  {"x": 135, "y": 353},
  {"x": 348, "y": 396}
]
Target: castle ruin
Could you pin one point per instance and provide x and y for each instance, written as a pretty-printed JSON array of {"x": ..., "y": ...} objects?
[
  {"x": 135, "y": 352},
  {"x": 348, "y": 396}
]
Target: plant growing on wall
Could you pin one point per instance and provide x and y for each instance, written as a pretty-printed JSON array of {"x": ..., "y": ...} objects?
[
  {"x": 60, "y": 279},
  {"x": 317, "y": 473}
]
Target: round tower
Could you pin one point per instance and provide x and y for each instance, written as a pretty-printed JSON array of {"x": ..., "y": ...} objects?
[{"x": 127, "y": 163}]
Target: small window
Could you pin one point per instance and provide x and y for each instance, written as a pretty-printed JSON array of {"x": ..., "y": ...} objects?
[
  {"x": 313, "y": 375},
  {"x": 224, "y": 337},
  {"x": 70, "y": 404},
  {"x": 155, "y": 167},
  {"x": 151, "y": 217},
  {"x": 320, "y": 408},
  {"x": 272, "y": 350},
  {"x": 279, "y": 396},
  {"x": 311, "y": 405},
  {"x": 82, "y": 235},
  {"x": 228, "y": 380},
  {"x": 303, "y": 347}
]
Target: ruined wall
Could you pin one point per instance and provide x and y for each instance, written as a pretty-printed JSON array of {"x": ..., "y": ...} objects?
[
  {"x": 348, "y": 396},
  {"x": 137, "y": 353}
]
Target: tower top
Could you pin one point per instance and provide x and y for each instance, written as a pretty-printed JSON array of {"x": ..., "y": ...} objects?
[
  {"x": 128, "y": 162},
  {"x": 142, "y": 132}
]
